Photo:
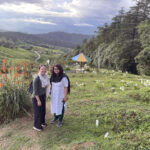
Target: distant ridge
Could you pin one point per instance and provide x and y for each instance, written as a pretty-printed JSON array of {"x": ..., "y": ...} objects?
[{"x": 62, "y": 39}]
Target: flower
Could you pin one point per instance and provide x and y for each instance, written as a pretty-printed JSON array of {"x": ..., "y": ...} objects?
[
  {"x": 16, "y": 75},
  {"x": 3, "y": 75},
  {"x": 23, "y": 74},
  {"x": 9, "y": 68},
  {"x": 4, "y": 61},
  {"x": 4, "y": 69},
  {"x": 0, "y": 72},
  {"x": 1, "y": 85},
  {"x": 18, "y": 68},
  {"x": 106, "y": 134}
]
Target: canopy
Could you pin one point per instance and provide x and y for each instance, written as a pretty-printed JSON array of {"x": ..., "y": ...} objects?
[{"x": 81, "y": 58}]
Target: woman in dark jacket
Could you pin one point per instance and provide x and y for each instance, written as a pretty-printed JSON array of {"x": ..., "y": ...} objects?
[{"x": 40, "y": 92}]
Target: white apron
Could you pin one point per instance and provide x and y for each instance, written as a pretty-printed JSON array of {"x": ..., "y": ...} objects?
[{"x": 57, "y": 96}]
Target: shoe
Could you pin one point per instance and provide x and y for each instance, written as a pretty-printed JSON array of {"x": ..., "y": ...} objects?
[
  {"x": 59, "y": 124},
  {"x": 44, "y": 125},
  {"x": 53, "y": 121},
  {"x": 37, "y": 129}
]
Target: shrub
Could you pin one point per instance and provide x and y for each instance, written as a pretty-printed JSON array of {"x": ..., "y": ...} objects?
[
  {"x": 14, "y": 101},
  {"x": 14, "y": 98}
]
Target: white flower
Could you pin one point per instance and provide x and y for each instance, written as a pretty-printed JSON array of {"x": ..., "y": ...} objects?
[
  {"x": 106, "y": 134},
  {"x": 97, "y": 123},
  {"x": 122, "y": 88}
]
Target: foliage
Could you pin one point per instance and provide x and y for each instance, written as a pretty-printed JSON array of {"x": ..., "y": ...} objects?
[
  {"x": 143, "y": 58},
  {"x": 14, "y": 98},
  {"x": 122, "y": 41}
]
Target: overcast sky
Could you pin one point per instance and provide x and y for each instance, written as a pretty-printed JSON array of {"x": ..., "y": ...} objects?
[{"x": 42, "y": 16}]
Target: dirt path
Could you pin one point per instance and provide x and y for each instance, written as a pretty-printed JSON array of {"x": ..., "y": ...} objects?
[
  {"x": 39, "y": 56},
  {"x": 22, "y": 126}
]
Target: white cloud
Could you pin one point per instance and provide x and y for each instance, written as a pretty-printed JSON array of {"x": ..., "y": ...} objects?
[
  {"x": 40, "y": 21},
  {"x": 60, "y": 14},
  {"x": 83, "y": 25},
  {"x": 30, "y": 20},
  {"x": 70, "y": 8}
]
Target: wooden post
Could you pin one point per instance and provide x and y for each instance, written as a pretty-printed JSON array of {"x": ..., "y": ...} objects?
[{"x": 98, "y": 58}]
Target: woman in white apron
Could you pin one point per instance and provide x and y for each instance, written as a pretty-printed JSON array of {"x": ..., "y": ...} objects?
[{"x": 60, "y": 85}]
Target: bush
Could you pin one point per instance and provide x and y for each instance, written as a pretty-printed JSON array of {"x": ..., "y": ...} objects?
[
  {"x": 14, "y": 98},
  {"x": 14, "y": 101}
]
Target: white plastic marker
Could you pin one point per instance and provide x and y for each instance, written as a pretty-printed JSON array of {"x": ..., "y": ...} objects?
[
  {"x": 97, "y": 123},
  {"x": 106, "y": 134}
]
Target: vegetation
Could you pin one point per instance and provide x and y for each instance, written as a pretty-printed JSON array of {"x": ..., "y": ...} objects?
[
  {"x": 49, "y": 40},
  {"x": 14, "y": 98},
  {"x": 124, "y": 44},
  {"x": 120, "y": 101}
]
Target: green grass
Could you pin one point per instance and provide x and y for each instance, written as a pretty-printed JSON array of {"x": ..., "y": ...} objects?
[
  {"x": 16, "y": 55},
  {"x": 121, "y": 103}
]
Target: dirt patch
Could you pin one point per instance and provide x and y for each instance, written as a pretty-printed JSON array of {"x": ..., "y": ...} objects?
[{"x": 79, "y": 146}]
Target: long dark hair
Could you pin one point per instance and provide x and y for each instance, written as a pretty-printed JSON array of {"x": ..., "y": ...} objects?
[
  {"x": 60, "y": 68},
  {"x": 58, "y": 78}
]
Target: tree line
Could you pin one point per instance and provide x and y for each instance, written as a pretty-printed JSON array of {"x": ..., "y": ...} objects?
[{"x": 125, "y": 43}]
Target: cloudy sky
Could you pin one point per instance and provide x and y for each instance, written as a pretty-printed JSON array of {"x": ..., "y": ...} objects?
[{"x": 42, "y": 16}]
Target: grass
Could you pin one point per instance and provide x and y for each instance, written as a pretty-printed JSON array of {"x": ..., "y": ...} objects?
[
  {"x": 17, "y": 55},
  {"x": 120, "y": 101}
]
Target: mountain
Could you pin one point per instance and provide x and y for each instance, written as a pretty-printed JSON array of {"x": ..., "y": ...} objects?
[{"x": 62, "y": 39}]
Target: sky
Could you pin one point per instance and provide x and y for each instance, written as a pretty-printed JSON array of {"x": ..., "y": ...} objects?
[{"x": 43, "y": 16}]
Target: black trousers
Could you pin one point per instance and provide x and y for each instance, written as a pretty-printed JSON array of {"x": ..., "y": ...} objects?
[{"x": 39, "y": 111}]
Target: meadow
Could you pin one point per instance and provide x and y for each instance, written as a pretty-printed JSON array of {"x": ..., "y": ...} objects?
[
  {"x": 18, "y": 54},
  {"x": 119, "y": 101}
]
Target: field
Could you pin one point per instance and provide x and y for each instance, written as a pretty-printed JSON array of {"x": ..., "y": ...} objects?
[
  {"x": 17, "y": 55},
  {"x": 119, "y": 101}
]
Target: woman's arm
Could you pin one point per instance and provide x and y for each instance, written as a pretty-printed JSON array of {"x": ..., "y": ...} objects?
[
  {"x": 35, "y": 89},
  {"x": 66, "y": 92},
  {"x": 38, "y": 100}
]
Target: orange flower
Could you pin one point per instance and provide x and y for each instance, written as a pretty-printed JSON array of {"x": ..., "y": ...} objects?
[
  {"x": 17, "y": 82},
  {"x": 23, "y": 74},
  {"x": 9, "y": 68},
  {"x": 1, "y": 85},
  {"x": 16, "y": 74},
  {"x": 35, "y": 73},
  {"x": 4, "y": 69},
  {"x": 4, "y": 61},
  {"x": 3, "y": 75},
  {"x": 18, "y": 68},
  {"x": 0, "y": 72}
]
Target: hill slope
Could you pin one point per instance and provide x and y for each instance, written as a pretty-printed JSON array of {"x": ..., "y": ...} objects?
[
  {"x": 61, "y": 39},
  {"x": 118, "y": 100}
]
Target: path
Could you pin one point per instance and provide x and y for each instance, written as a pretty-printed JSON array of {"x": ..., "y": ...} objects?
[
  {"x": 21, "y": 128},
  {"x": 39, "y": 56}
]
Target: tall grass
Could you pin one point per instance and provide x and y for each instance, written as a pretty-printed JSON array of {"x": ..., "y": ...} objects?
[{"x": 14, "y": 98}]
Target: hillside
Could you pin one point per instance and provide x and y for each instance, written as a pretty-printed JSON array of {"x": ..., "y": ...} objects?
[
  {"x": 60, "y": 39},
  {"x": 15, "y": 55},
  {"x": 124, "y": 44},
  {"x": 120, "y": 101}
]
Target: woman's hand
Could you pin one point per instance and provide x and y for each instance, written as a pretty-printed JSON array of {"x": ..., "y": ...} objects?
[
  {"x": 39, "y": 103},
  {"x": 38, "y": 100},
  {"x": 65, "y": 99}
]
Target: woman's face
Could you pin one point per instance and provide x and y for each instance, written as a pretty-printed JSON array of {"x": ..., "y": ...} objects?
[
  {"x": 56, "y": 70},
  {"x": 42, "y": 70}
]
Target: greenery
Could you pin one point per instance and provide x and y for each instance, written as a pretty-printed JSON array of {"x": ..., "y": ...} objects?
[
  {"x": 47, "y": 40},
  {"x": 14, "y": 101},
  {"x": 120, "y": 101},
  {"x": 124, "y": 44}
]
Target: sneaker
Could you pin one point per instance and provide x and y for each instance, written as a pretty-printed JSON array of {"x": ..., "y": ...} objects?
[
  {"x": 53, "y": 121},
  {"x": 37, "y": 129},
  {"x": 44, "y": 125},
  {"x": 59, "y": 124}
]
